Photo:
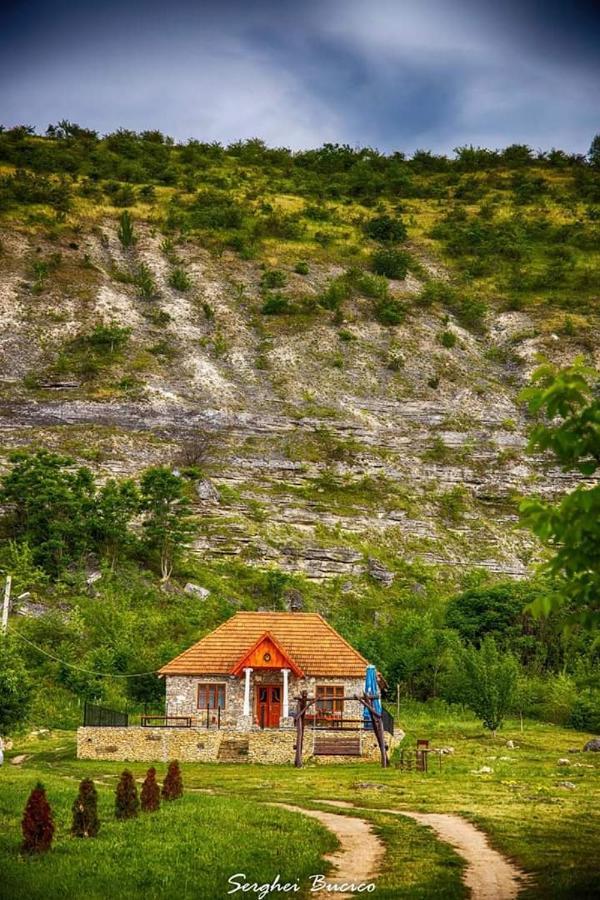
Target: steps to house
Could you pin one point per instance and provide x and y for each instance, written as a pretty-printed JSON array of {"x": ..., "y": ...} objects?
[
  {"x": 336, "y": 746},
  {"x": 233, "y": 751}
]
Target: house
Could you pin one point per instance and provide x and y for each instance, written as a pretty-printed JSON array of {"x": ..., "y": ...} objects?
[
  {"x": 231, "y": 698},
  {"x": 247, "y": 673}
]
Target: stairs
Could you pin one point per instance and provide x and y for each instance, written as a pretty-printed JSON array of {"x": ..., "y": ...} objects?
[{"x": 233, "y": 750}]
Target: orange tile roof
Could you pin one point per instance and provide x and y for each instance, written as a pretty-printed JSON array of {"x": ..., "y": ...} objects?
[{"x": 315, "y": 646}]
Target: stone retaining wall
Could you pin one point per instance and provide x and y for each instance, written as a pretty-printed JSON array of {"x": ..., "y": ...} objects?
[{"x": 137, "y": 744}]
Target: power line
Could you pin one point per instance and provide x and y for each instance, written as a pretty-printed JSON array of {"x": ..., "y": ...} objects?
[{"x": 80, "y": 668}]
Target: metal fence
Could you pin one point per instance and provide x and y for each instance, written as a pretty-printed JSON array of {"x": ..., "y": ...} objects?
[{"x": 102, "y": 717}]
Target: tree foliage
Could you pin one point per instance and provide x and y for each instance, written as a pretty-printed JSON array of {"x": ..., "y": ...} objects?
[
  {"x": 150, "y": 792},
  {"x": 16, "y": 691},
  {"x": 167, "y": 523},
  {"x": 567, "y": 404},
  {"x": 172, "y": 787},
  {"x": 487, "y": 681},
  {"x": 127, "y": 803}
]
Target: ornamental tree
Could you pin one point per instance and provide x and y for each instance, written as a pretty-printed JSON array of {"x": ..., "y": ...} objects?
[
  {"x": 150, "y": 792},
  {"x": 127, "y": 803},
  {"x": 172, "y": 787},
  {"x": 85, "y": 811},
  {"x": 566, "y": 403},
  {"x": 37, "y": 825}
]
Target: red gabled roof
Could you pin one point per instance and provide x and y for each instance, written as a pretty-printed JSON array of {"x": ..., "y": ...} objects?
[{"x": 304, "y": 638}]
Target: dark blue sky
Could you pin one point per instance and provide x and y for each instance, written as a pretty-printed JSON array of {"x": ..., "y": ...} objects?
[{"x": 396, "y": 74}]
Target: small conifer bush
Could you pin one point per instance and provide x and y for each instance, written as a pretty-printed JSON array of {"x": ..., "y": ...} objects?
[
  {"x": 127, "y": 802},
  {"x": 150, "y": 792},
  {"x": 173, "y": 784},
  {"x": 37, "y": 825},
  {"x": 85, "y": 811}
]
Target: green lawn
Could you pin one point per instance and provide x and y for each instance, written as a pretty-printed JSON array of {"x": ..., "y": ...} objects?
[{"x": 191, "y": 847}]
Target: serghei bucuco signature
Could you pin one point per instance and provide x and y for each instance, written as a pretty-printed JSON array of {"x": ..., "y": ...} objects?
[{"x": 318, "y": 883}]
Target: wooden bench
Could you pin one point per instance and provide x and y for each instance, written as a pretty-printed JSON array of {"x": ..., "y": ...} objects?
[{"x": 326, "y": 746}]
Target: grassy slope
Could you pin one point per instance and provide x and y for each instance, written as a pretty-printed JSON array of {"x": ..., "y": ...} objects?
[{"x": 546, "y": 828}]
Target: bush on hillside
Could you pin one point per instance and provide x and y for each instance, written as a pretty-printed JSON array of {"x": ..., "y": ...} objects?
[{"x": 391, "y": 263}]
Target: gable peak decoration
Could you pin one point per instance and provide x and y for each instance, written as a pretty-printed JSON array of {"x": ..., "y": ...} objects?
[{"x": 267, "y": 653}]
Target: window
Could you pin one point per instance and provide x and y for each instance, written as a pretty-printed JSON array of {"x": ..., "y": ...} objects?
[
  {"x": 211, "y": 696},
  {"x": 330, "y": 698}
]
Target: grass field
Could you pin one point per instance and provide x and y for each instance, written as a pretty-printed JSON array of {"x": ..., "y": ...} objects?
[{"x": 191, "y": 847}]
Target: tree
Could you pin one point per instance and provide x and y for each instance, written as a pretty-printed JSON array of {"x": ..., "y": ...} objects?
[
  {"x": 487, "y": 681},
  {"x": 16, "y": 690},
  {"x": 172, "y": 787},
  {"x": 127, "y": 802},
  {"x": 85, "y": 811},
  {"x": 167, "y": 523},
  {"x": 566, "y": 402},
  {"x": 594, "y": 151},
  {"x": 37, "y": 825},
  {"x": 116, "y": 504},
  {"x": 49, "y": 506},
  {"x": 386, "y": 230},
  {"x": 150, "y": 792}
]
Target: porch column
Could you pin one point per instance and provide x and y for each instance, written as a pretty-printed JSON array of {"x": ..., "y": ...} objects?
[
  {"x": 247, "y": 692},
  {"x": 286, "y": 703}
]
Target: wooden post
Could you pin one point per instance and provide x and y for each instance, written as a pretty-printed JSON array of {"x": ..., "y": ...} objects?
[
  {"x": 366, "y": 700},
  {"x": 6, "y": 604},
  {"x": 299, "y": 717}
]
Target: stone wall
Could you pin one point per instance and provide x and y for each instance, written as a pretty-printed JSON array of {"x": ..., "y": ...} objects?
[{"x": 137, "y": 744}]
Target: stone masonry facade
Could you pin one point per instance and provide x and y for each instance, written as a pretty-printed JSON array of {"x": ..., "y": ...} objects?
[
  {"x": 182, "y": 695},
  {"x": 137, "y": 744}
]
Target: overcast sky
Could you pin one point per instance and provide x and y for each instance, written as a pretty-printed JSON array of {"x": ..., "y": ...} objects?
[{"x": 394, "y": 74}]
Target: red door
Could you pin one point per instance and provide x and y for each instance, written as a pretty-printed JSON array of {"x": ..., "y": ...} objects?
[{"x": 269, "y": 705}]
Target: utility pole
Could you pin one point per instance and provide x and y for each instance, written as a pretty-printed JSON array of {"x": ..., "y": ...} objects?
[{"x": 6, "y": 604}]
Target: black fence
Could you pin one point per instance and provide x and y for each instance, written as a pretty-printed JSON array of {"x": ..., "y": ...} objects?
[{"x": 102, "y": 717}]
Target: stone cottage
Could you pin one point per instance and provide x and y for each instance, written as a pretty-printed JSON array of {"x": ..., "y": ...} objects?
[
  {"x": 246, "y": 674},
  {"x": 230, "y": 698}
]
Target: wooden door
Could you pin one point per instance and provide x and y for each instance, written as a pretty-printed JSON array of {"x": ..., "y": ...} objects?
[{"x": 269, "y": 705}]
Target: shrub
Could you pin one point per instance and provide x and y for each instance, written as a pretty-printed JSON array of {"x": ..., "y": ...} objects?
[
  {"x": 150, "y": 792},
  {"x": 179, "y": 280},
  {"x": 390, "y": 312},
  {"x": 338, "y": 290},
  {"x": 488, "y": 681},
  {"x": 391, "y": 263},
  {"x": 37, "y": 825},
  {"x": 108, "y": 337},
  {"x": 173, "y": 784},
  {"x": 386, "y": 230},
  {"x": 301, "y": 268},
  {"x": 125, "y": 230},
  {"x": 447, "y": 339},
  {"x": 85, "y": 811},
  {"x": 273, "y": 278},
  {"x": 144, "y": 281},
  {"x": 275, "y": 305},
  {"x": 585, "y": 713},
  {"x": 374, "y": 286},
  {"x": 127, "y": 803}
]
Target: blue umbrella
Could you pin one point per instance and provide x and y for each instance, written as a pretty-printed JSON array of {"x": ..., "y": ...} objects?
[{"x": 372, "y": 689}]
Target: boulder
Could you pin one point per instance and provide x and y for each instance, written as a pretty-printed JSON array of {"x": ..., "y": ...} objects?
[
  {"x": 564, "y": 762},
  {"x": 511, "y": 745},
  {"x": 17, "y": 760},
  {"x": 206, "y": 491},
  {"x": 567, "y": 785},
  {"x": 445, "y": 751},
  {"x": 379, "y": 572},
  {"x": 196, "y": 590},
  {"x": 593, "y": 745},
  {"x": 484, "y": 770}
]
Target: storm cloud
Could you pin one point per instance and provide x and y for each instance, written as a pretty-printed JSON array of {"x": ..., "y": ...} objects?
[{"x": 387, "y": 73}]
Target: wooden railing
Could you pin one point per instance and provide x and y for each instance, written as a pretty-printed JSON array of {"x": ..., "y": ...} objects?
[{"x": 166, "y": 721}]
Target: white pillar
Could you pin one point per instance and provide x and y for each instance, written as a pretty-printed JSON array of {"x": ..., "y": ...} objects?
[
  {"x": 247, "y": 692},
  {"x": 286, "y": 701}
]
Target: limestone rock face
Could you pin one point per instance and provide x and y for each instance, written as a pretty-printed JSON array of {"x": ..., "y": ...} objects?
[
  {"x": 196, "y": 590},
  {"x": 379, "y": 572}
]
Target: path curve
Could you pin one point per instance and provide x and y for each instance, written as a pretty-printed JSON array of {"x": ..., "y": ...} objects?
[
  {"x": 489, "y": 875},
  {"x": 360, "y": 853}
]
